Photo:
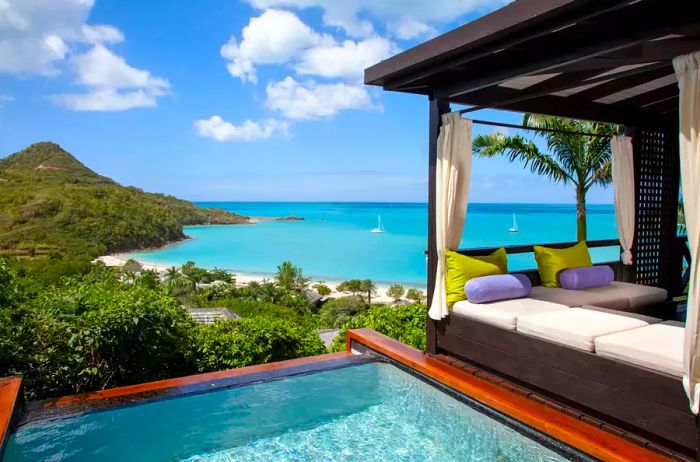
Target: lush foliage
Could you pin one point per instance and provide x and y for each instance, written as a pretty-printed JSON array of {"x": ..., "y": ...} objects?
[
  {"x": 403, "y": 323},
  {"x": 338, "y": 311},
  {"x": 51, "y": 205},
  {"x": 252, "y": 341},
  {"x": 322, "y": 289},
  {"x": 113, "y": 327},
  {"x": 573, "y": 159},
  {"x": 93, "y": 334}
]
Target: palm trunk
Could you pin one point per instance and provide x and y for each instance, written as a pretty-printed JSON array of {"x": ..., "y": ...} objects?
[{"x": 580, "y": 214}]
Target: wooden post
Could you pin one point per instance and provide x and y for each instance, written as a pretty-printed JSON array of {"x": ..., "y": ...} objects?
[{"x": 438, "y": 107}]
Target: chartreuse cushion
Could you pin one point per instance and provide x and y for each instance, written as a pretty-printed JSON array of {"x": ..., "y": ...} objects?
[
  {"x": 550, "y": 262},
  {"x": 461, "y": 269}
]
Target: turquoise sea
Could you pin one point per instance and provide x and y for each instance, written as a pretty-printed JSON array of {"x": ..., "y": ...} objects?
[{"x": 334, "y": 243}]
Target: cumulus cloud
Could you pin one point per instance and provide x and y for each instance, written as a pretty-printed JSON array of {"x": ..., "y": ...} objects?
[
  {"x": 112, "y": 84},
  {"x": 280, "y": 37},
  {"x": 217, "y": 128},
  {"x": 347, "y": 60},
  {"x": 273, "y": 37},
  {"x": 405, "y": 18},
  {"x": 310, "y": 100},
  {"x": 48, "y": 37}
]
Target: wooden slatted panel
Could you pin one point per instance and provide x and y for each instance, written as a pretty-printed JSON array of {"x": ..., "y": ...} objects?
[{"x": 656, "y": 173}]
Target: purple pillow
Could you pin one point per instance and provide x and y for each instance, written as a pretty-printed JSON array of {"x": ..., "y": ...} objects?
[
  {"x": 499, "y": 287},
  {"x": 585, "y": 278}
]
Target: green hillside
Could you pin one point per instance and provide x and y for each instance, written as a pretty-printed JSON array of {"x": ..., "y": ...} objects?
[{"x": 52, "y": 204}]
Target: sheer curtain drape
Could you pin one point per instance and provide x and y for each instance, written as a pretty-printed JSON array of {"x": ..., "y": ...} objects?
[
  {"x": 688, "y": 72},
  {"x": 453, "y": 171},
  {"x": 623, "y": 185}
]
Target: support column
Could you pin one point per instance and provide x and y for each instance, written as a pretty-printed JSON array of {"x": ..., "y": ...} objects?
[{"x": 438, "y": 107}]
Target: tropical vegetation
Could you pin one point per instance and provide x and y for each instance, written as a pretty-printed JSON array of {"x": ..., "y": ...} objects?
[
  {"x": 52, "y": 207},
  {"x": 573, "y": 158}
]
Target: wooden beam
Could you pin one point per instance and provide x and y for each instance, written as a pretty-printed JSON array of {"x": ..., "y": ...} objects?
[
  {"x": 575, "y": 44},
  {"x": 567, "y": 81},
  {"x": 437, "y": 107},
  {"x": 651, "y": 96},
  {"x": 624, "y": 81}
]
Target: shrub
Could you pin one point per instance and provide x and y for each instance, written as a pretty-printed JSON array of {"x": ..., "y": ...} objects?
[
  {"x": 403, "y": 323},
  {"x": 338, "y": 311},
  {"x": 322, "y": 289},
  {"x": 239, "y": 343},
  {"x": 416, "y": 295},
  {"x": 90, "y": 336},
  {"x": 255, "y": 309},
  {"x": 396, "y": 292}
]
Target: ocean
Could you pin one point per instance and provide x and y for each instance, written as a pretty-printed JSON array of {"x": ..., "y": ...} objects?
[{"x": 334, "y": 241}]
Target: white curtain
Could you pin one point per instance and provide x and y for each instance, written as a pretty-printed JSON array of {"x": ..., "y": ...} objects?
[
  {"x": 453, "y": 172},
  {"x": 688, "y": 72},
  {"x": 623, "y": 185}
]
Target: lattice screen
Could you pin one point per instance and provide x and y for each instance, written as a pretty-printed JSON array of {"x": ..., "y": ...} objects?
[{"x": 656, "y": 173}]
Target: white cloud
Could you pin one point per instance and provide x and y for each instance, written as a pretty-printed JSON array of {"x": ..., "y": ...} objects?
[
  {"x": 102, "y": 34},
  {"x": 353, "y": 16},
  {"x": 106, "y": 99},
  {"x": 407, "y": 28},
  {"x": 35, "y": 35},
  {"x": 273, "y": 37},
  {"x": 310, "y": 100},
  {"x": 347, "y": 60},
  {"x": 217, "y": 128},
  {"x": 47, "y": 37},
  {"x": 112, "y": 84},
  {"x": 5, "y": 98}
]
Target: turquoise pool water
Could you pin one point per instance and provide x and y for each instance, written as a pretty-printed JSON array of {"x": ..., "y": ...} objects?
[
  {"x": 367, "y": 412},
  {"x": 334, "y": 243}
]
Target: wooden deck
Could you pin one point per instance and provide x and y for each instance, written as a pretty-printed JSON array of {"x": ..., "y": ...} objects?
[
  {"x": 10, "y": 399},
  {"x": 579, "y": 434}
]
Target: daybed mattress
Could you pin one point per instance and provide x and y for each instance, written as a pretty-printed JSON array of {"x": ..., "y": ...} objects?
[
  {"x": 504, "y": 313},
  {"x": 621, "y": 296},
  {"x": 658, "y": 347},
  {"x": 578, "y": 327}
]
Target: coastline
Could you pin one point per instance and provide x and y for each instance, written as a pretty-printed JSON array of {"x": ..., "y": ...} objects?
[{"x": 245, "y": 278}]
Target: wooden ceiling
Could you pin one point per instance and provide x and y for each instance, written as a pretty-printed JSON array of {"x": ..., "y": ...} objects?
[{"x": 604, "y": 60}]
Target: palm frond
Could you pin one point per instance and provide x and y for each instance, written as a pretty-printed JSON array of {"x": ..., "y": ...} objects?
[{"x": 517, "y": 148}]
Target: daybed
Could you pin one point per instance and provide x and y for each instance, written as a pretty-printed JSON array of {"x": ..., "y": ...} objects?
[
  {"x": 622, "y": 368},
  {"x": 618, "y": 295}
]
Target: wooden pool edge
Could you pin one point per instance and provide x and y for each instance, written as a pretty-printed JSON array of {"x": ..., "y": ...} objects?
[
  {"x": 573, "y": 432},
  {"x": 10, "y": 406}
]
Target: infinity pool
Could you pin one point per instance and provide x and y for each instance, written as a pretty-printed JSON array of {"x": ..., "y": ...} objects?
[{"x": 366, "y": 412}]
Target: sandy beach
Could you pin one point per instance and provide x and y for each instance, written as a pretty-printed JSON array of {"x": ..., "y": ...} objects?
[{"x": 242, "y": 278}]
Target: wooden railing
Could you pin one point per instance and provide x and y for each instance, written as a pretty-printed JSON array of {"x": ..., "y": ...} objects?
[{"x": 526, "y": 248}]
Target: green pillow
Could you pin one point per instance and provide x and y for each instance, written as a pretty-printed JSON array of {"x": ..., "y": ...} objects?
[
  {"x": 461, "y": 269},
  {"x": 550, "y": 262}
]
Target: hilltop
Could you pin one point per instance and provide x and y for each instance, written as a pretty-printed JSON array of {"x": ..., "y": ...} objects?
[{"x": 52, "y": 204}]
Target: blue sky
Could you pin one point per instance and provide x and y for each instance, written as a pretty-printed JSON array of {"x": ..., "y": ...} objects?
[{"x": 237, "y": 100}]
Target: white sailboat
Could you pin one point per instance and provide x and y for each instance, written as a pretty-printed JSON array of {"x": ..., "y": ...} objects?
[
  {"x": 514, "y": 228},
  {"x": 380, "y": 226}
]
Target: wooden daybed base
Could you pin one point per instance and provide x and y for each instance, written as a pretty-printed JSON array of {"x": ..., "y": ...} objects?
[{"x": 648, "y": 403}]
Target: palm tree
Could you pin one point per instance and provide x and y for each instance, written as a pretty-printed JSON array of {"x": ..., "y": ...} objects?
[{"x": 579, "y": 160}]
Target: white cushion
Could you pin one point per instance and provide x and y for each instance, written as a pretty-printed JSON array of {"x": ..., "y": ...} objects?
[
  {"x": 578, "y": 327},
  {"x": 504, "y": 313},
  {"x": 658, "y": 347},
  {"x": 616, "y": 295}
]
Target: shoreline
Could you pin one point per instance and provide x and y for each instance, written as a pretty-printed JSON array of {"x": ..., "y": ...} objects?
[{"x": 119, "y": 259}]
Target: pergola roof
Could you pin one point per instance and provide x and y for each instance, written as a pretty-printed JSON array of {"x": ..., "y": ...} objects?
[{"x": 605, "y": 60}]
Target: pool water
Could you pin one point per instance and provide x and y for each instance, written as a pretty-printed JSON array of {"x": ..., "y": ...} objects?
[{"x": 367, "y": 412}]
